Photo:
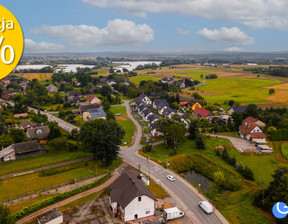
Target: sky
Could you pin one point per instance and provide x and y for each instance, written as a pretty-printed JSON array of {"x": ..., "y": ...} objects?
[{"x": 152, "y": 25}]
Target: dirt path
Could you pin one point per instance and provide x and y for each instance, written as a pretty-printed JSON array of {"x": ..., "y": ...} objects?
[
  {"x": 114, "y": 176},
  {"x": 45, "y": 168}
]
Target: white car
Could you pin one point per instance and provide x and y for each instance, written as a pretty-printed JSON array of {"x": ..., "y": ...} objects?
[
  {"x": 206, "y": 206},
  {"x": 170, "y": 177}
]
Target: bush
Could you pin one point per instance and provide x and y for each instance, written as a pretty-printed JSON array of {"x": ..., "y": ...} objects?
[
  {"x": 54, "y": 171},
  {"x": 40, "y": 204}
]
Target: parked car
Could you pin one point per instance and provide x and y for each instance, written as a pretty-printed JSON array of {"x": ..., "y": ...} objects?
[
  {"x": 173, "y": 213},
  {"x": 206, "y": 206},
  {"x": 171, "y": 178}
]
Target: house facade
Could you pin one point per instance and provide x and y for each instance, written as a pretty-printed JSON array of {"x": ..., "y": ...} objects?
[
  {"x": 91, "y": 114},
  {"x": 251, "y": 129},
  {"x": 93, "y": 100},
  {"x": 52, "y": 88},
  {"x": 130, "y": 199}
]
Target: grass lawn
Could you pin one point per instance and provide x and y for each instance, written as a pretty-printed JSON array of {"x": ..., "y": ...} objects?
[
  {"x": 53, "y": 107},
  {"x": 14, "y": 186},
  {"x": 79, "y": 201},
  {"x": 157, "y": 190},
  {"x": 242, "y": 90},
  {"x": 39, "y": 161},
  {"x": 129, "y": 128},
  {"x": 139, "y": 78},
  {"x": 118, "y": 109}
]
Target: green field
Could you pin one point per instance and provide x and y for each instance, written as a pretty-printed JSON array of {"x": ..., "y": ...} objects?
[
  {"x": 40, "y": 161},
  {"x": 139, "y": 78},
  {"x": 242, "y": 90},
  {"x": 118, "y": 109},
  {"x": 284, "y": 150},
  {"x": 32, "y": 182},
  {"x": 129, "y": 128},
  {"x": 192, "y": 73}
]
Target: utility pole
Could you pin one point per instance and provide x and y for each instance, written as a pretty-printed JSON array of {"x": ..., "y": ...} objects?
[{"x": 148, "y": 167}]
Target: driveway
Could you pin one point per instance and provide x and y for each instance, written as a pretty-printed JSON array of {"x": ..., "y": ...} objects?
[{"x": 240, "y": 144}]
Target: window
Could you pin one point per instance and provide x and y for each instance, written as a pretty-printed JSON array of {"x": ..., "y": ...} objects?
[
  {"x": 147, "y": 212},
  {"x": 139, "y": 198}
]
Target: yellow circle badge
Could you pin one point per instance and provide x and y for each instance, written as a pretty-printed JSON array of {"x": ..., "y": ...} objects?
[{"x": 11, "y": 42}]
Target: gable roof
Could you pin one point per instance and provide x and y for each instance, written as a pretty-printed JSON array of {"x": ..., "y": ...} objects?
[
  {"x": 169, "y": 111},
  {"x": 96, "y": 113},
  {"x": 146, "y": 112},
  {"x": 74, "y": 93},
  {"x": 258, "y": 135},
  {"x": 248, "y": 125},
  {"x": 49, "y": 216},
  {"x": 26, "y": 123},
  {"x": 39, "y": 132},
  {"x": 91, "y": 97},
  {"x": 239, "y": 109},
  {"x": 25, "y": 147},
  {"x": 201, "y": 111},
  {"x": 85, "y": 107},
  {"x": 126, "y": 188},
  {"x": 160, "y": 103}
]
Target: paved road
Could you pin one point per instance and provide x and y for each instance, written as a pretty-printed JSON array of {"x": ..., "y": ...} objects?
[
  {"x": 183, "y": 192},
  {"x": 240, "y": 144}
]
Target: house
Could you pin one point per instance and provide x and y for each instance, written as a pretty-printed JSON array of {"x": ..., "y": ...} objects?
[
  {"x": 160, "y": 105},
  {"x": 22, "y": 150},
  {"x": 111, "y": 82},
  {"x": 27, "y": 124},
  {"x": 39, "y": 133},
  {"x": 201, "y": 112},
  {"x": 185, "y": 120},
  {"x": 218, "y": 120},
  {"x": 146, "y": 113},
  {"x": 180, "y": 84},
  {"x": 52, "y": 88},
  {"x": 64, "y": 83},
  {"x": 20, "y": 115},
  {"x": 251, "y": 129},
  {"x": 152, "y": 118},
  {"x": 153, "y": 129},
  {"x": 91, "y": 114},
  {"x": 73, "y": 97},
  {"x": 193, "y": 103},
  {"x": 130, "y": 199},
  {"x": 5, "y": 81},
  {"x": 238, "y": 109},
  {"x": 101, "y": 85},
  {"x": 145, "y": 99},
  {"x": 7, "y": 97},
  {"x": 84, "y": 107},
  {"x": 168, "y": 80},
  {"x": 169, "y": 112},
  {"x": 126, "y": 82},
  {"x": 93, "y": 100},
  {"x": 53, "y": 216}
]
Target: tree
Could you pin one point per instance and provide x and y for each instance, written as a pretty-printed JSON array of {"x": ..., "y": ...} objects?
[
  {"x": 105, "y": 91},
  {"x": 78, "y": 120},
  {"x": 40, "y": 118},
  {"x": 231, "y": 103},
  {"x": 54, "y": 130},
  {"x": 193, "y": 129},
  {"x": 200, "y": 141},
  {"x": 18, "y": 135},
  {"x": 131, "y": 92},
  {"x": 5, "y": 140},
  {"x": 59, "y": 144},
  {"x": 110, "y": 115},
  {"x": 5, "y": 216},
  {"x": 197, "y": 96},
  {"x": 75, "y": 134},
  {"x": 252, "y": 111},
  {"x": 173, "y": 131},
  {"x": 271, "y": 91},
  {"x": 237, "y": 119},
  {"x": 175, "y": 105},
  {"x": 106, "y": 105},
  {"x": 103, "y": 139}
]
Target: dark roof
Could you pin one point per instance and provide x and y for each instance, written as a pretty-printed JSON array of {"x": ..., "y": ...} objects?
[
  {"x": 141, "y": 97},
  {"x": 168, "y": 79},
  {"x": 146, "y": 112},
  {"x": 138, "y": 103},
  {"x": 74, "y": 93},
  {"x": 126, "y": 188},
  {"x": 40, "y": 132},
  {"x": 152, "y": 117},
  {"x": 168, "y": 111},
  {"x": 142, "y": 107},
  {"x": 239, "y": 109},
  {"x": 26, "y": 123},
  {"x": 97, "y": 113},
  {"x": 153, "y": 125},
  {"x": 49, "y": 216},
  {"x": 25, "y": 147},
  {"x": 160, "y": 103},
  {"x": 84, "y": 108}
]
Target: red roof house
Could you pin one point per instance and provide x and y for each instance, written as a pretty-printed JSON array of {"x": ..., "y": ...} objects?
[
  {"x": 201, "y": 112},
  {"x": 251, "y": 129}
]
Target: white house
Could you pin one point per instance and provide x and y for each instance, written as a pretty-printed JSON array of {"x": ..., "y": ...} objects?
[
  {"x": 251, "y": 129},
  {"x": 53, "y": 216},
  {"x": 145, "y": 99},
  {"x": 130, "y": 199}
]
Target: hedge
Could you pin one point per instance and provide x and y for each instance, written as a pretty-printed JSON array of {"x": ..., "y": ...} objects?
[
  {"x": 49, "y": 201},
  {"x": 284, "y": 150}
]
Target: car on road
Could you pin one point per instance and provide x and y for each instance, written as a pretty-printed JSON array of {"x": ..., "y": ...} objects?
[
  {"x": 171, "y": 178},
  {"x": 206, "y": 206}
]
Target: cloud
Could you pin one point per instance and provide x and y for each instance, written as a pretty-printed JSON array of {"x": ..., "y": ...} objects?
[
  {"x": 253, "y": 13},
  {"x": 117, "y": 32},
  {"x": 235, "y": 49},
  {"x": 226, "y": 35},
  {"x": 183, "y": 32},
  {"x": 42, "y": 47}
]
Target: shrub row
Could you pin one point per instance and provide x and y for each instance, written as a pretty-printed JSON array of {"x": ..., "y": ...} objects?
[
  {"x": 54, "y": 171},
  {"x": 246, "y": 172},
  {"x": 40, "y": 204},
  {"x": 279, "y": 135}
]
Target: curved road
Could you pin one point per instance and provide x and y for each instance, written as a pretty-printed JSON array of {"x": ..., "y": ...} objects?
[{"x": 186, "y": 196}]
